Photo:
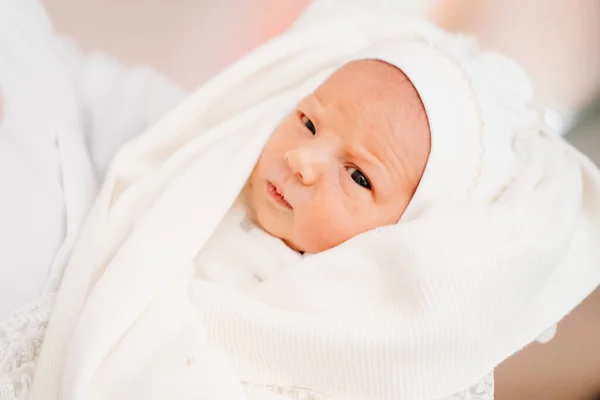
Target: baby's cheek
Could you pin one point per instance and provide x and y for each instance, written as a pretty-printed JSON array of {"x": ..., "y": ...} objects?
[{"x": 321, "y": 228}]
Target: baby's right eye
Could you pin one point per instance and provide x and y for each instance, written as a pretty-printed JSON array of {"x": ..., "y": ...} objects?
[{"x": 308, "y": 123}]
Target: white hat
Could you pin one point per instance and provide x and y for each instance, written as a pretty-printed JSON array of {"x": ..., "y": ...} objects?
[{"x": 475, "y": 104}]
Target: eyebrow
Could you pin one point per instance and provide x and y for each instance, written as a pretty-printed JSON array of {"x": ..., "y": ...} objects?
[{"x": 314, "y": 96}]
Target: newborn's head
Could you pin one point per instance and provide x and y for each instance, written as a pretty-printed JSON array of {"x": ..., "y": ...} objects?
[{"x": 346, "y": 160}]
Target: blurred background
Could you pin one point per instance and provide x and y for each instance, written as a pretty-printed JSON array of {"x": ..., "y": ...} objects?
[{"x": 557, "y": 41}]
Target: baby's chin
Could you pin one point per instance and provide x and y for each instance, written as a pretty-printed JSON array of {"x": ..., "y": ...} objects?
[
  {"x": 312, "y": 244},
  {"x": 294, "y": 242},
  {"x": 276, "y": 231},
  {"x": 267, "y": 224},
  {"x": 294, "y": 246}
]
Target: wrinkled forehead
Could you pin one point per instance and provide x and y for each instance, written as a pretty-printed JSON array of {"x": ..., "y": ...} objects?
[
  {"x": 369, "y": 86},
  {"x": 366, "y": 77},
  {"x": 373, "y": 106}
]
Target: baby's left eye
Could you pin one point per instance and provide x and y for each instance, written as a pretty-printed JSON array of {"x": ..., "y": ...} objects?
[
  {"x": 308, "y": 124},
  {"x": 358, "y": 177}
]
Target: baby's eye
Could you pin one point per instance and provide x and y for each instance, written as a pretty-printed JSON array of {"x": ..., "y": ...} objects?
[
  {"x": 308, "y": 124},
  {"x": 359, "y": 177}
]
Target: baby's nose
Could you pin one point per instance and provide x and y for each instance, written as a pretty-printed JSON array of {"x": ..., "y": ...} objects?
[{"x": 308, "y": 164}]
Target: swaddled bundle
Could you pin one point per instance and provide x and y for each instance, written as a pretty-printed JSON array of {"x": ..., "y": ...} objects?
[{"x": 498, "y": 243}]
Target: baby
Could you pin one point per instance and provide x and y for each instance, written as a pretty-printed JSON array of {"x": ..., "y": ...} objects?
[
  {"x": 346, "y": 160},
  {"x": 485, "y": 217}
]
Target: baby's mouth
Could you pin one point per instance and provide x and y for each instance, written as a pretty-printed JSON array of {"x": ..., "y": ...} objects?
[{"x": 277, "y": 196}]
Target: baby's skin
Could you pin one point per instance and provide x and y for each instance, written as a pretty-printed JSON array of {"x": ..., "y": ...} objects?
[{"x": 346, "y": 160}]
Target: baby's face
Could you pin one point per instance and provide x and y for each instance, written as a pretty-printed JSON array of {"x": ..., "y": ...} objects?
[{"x": 348, "y": 159}]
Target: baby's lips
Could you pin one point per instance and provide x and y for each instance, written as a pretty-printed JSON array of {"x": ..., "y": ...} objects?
[
  {"x": 287, "y": 200},
  {"x": 279, "y": 190},
  {"x": 286, "y": 197}
]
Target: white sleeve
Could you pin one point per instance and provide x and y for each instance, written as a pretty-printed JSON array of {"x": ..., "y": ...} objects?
[
  {"x": 46, "y": 180},
  {"x": 118, "y": 102}
]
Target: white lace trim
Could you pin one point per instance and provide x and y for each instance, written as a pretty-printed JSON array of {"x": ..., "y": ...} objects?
[
  {"x": 294, "y": 393},
  {"x": 21, "y": 336},
  {"x": 483, "y": 390}
]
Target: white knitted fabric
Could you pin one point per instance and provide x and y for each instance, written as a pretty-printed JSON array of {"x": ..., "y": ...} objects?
[{"x": 419, "y": 310}]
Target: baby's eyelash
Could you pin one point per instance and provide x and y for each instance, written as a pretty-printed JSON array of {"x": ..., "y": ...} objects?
[
  {"x": 307, "y": 123},
  {"x": 359, "y": 177}
]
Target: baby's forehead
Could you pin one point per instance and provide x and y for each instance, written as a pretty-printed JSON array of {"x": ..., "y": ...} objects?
[
  {"x": 370, "y": 87},
  {"x": 370, "y": 76}
]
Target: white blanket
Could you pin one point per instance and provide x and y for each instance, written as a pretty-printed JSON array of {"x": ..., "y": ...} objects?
[{"x": 419, "y": 310}]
